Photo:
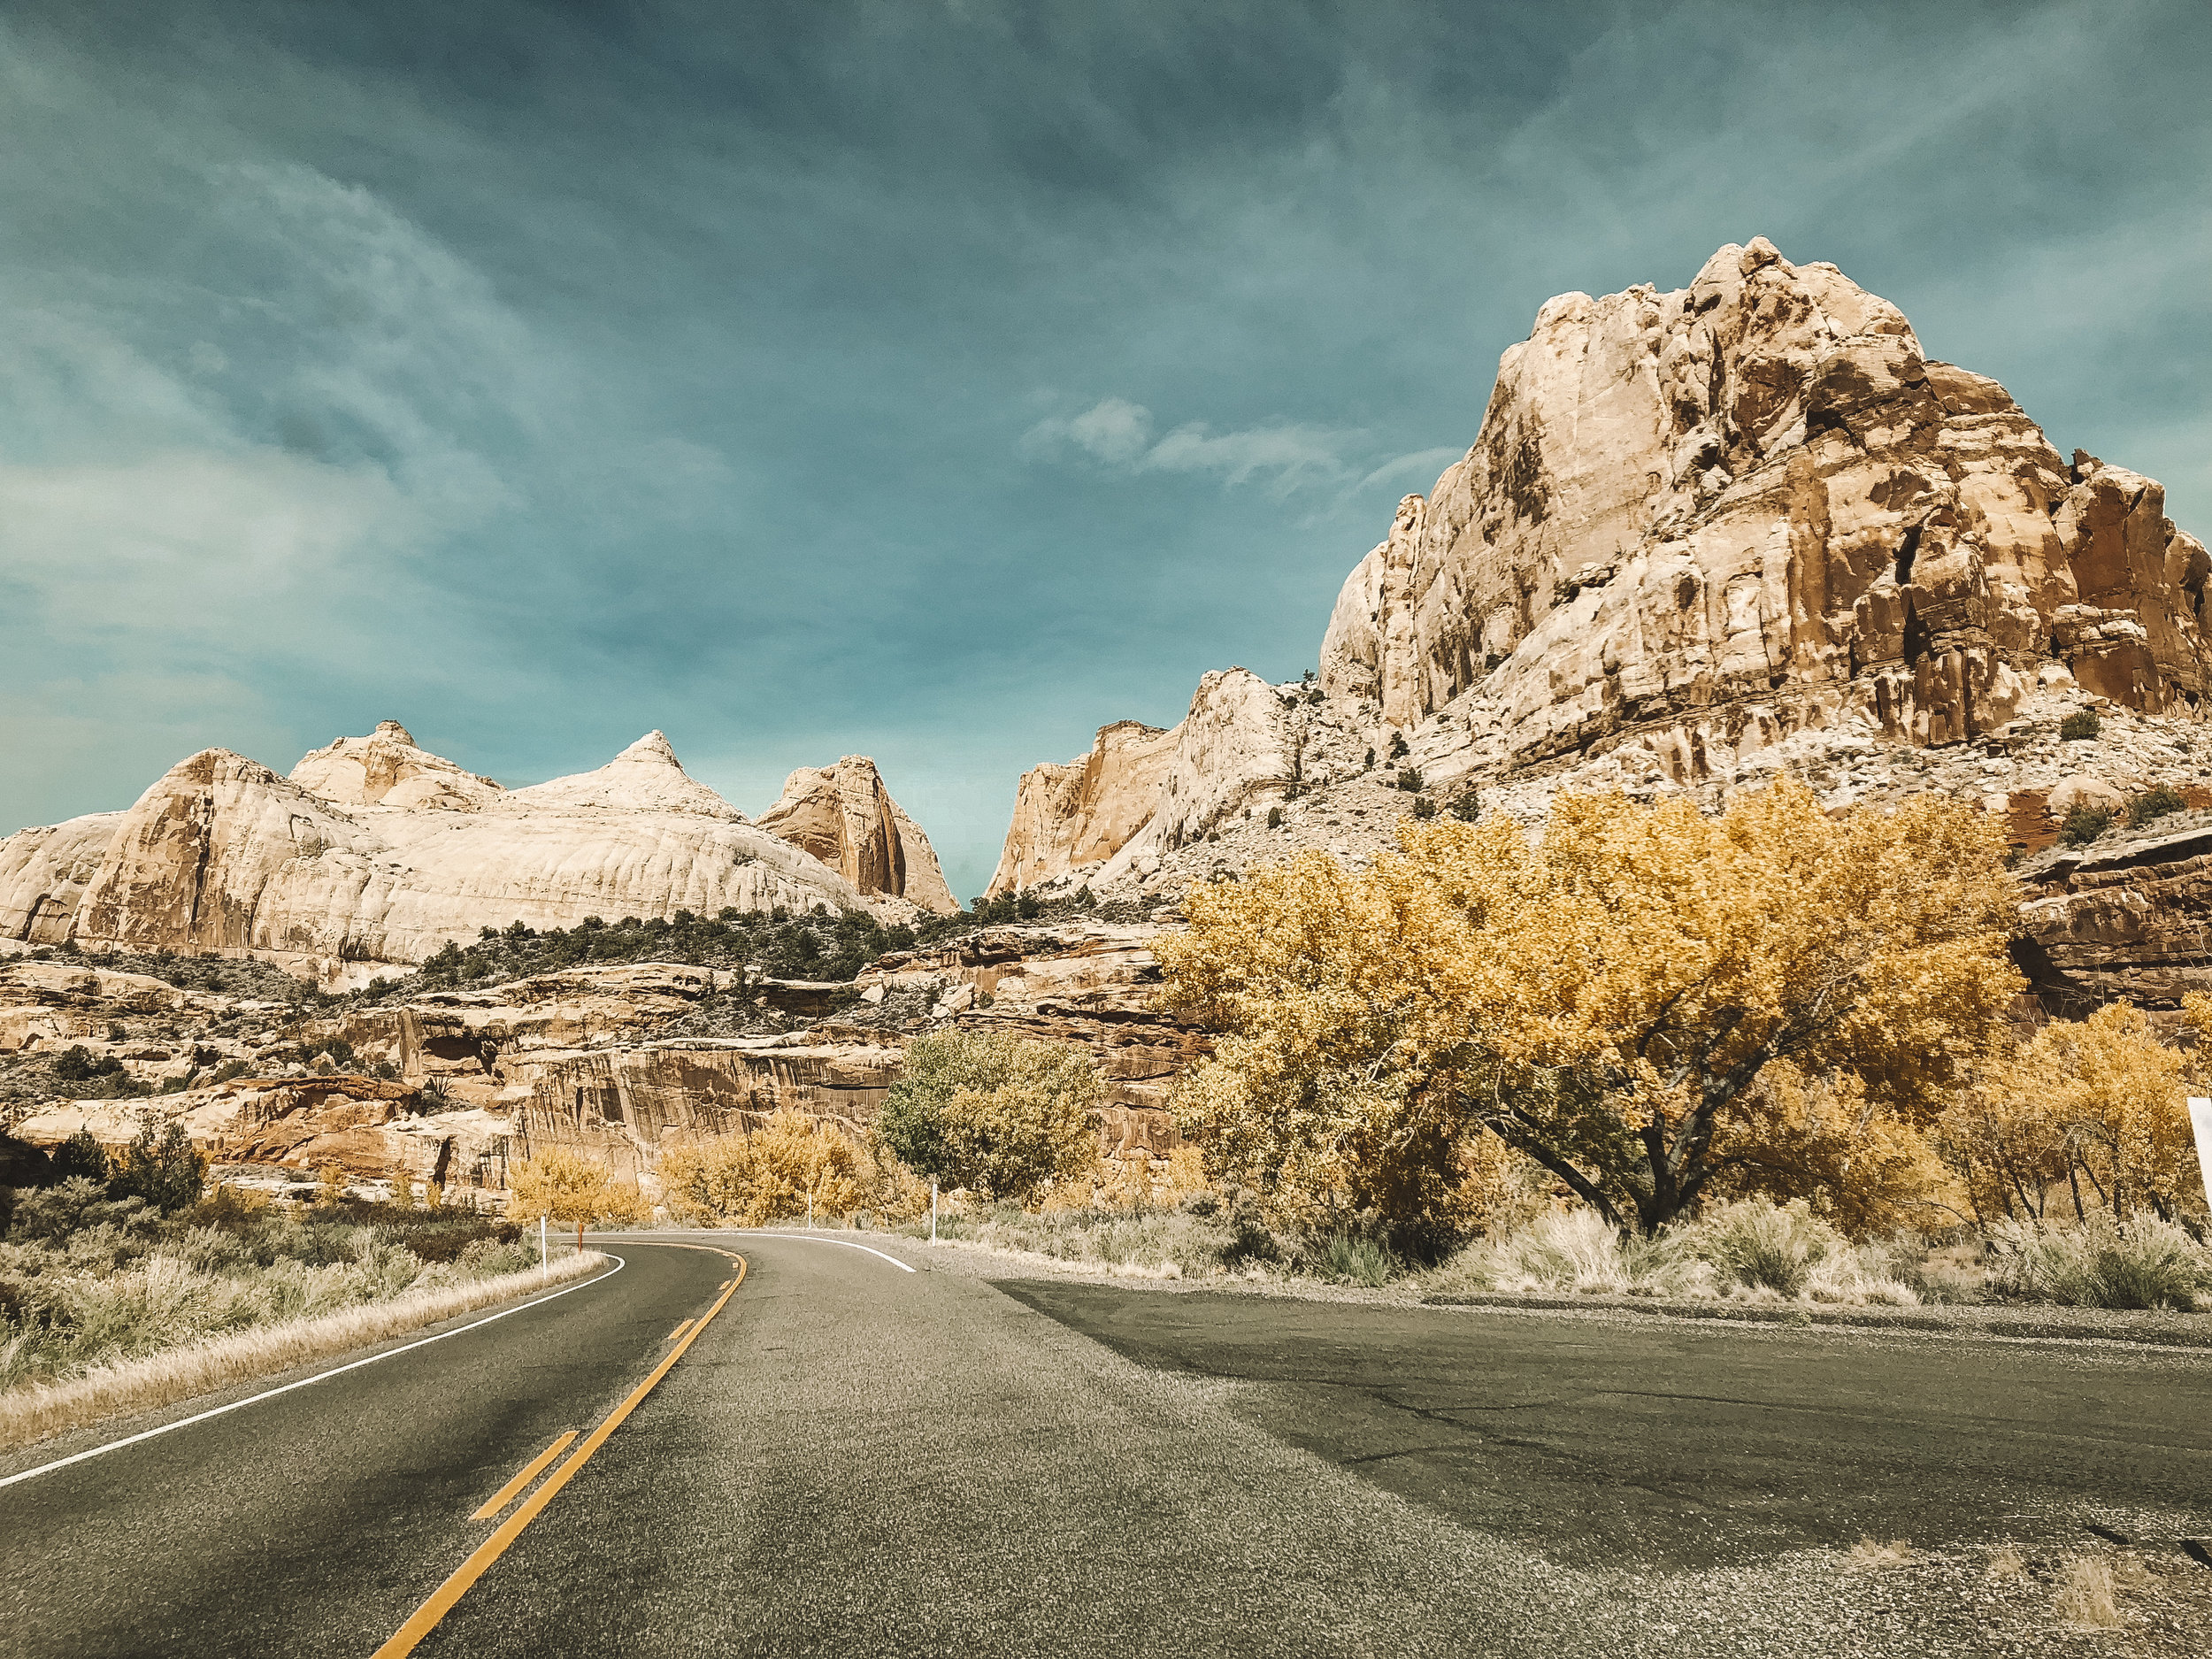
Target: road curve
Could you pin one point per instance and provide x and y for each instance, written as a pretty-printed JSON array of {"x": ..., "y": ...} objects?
[{"x": 856, "y": 1459}]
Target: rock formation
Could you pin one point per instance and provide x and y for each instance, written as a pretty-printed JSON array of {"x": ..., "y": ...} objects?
[
  {"x": 1701, "y": 536},
  {"x": 844, "y": 817},
  {"x": 386, "y": 769},
  {"x": 1755, "y": 498},
  {"x": 1077, "y": 816},
  {"x": 406, "y": 852}
]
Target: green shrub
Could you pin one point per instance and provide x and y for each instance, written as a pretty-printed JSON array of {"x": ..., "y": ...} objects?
[
  {"x": 1409, "y": 779},
  {"x": 1363, "y": 1261},
  {"x": 1274, "y": 818},
  {"x": 2154, "y": 803},
  {"x": 2084, "y": 825},
  {"x": 2080, "y": 726},
  {"x": 1398, "y": 748},
  {"x": 1466, "y": 806},
  {"x": 992, "y": 1113},
  {"x": 74, "y": 1065},
  {"x": 81, "y": 1156},
  {"x": 1423, "y": 807},
  {"x": 168, "y": 1173}
]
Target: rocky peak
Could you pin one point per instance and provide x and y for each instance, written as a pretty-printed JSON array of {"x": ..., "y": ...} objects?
[
  {"x": 386, "y": 768},
  {"x": 646, "y": 777},
  {"x": 844, "y": 816}
]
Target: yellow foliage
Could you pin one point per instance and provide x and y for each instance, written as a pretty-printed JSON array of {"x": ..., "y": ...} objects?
[
  {"x": 1861, "y": 1168},
  {"x": 1601, "y": 999},
  {"x": 2099, "y": 1105},
  {"x": 769, "y": 1174},
  {"x": 564, "y": 1185}
]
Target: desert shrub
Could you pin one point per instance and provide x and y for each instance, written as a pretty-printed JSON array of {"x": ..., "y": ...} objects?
[
  {"x": 2084, "y": 825},
  {"x": 1466, "y": 806},
  {"x": 1423, "y": 807},
  {"x": 1409, "y": 779},
  {"x": 2080, "y": 726},
  {"x": 1274, "y": 818},
  {"x": 167, "y": 1172},
  {"x": 1577, "y": 1251},
  {"x": 1398, "y": 747},
  {"x": 81, "y": 1155},
  {"x": 994, "y": 1114},
  {"x": 2154, "y": 803},
  {"x": 1763, "y": 1247},
  {"x": 1364, "y": 1261},
  {"x": 73, "y": 1065},
  {"x": 769, "y": 1174},
  {"x": 2144, "y": 1263}
]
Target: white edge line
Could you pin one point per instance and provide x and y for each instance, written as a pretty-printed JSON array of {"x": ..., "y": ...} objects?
[
  {"x": 816, "y": 1237},
  {"x": 389, "y": 1353},
  {"x": 796, "y": 1238}
]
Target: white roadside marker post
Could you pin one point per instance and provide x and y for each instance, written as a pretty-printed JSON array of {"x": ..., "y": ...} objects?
[
  {"x": 932, "y": 1209},
  {"x": 545, "y": 1262},
  {"x": 2200, "y": 1120}
]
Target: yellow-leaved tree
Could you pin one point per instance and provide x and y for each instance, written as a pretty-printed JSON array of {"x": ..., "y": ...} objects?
[
  {"x": 790, "y": 1166},
  {"x": 1606, "y": 999},
  {"x": 2093, "y": 1112},
  {"x": 570, "y": 1186}
]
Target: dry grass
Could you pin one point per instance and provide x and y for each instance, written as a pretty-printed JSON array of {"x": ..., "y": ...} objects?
[
  {"x": 2006, "y": 1564},
  {"x": 38, "y": 1410},
  {"x": 1870, "y": 1555},
  {"x": 2085, "y": 1594}
]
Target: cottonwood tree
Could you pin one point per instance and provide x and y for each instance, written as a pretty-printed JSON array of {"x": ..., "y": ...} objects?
[
  {"x": 2095, "y": 1111},
  {"x": 1605, "y": 999},
  {"x": 570, "y": 1186}
]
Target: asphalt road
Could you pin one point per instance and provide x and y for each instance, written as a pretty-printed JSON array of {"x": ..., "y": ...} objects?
[{"x": 850, "y": 1459}]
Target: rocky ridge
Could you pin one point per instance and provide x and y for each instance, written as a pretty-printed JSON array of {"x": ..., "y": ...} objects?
[{"x": 374, "y": 853}]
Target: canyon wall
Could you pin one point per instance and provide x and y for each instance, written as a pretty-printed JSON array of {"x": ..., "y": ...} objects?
[{"x": 1700, "y": 536}]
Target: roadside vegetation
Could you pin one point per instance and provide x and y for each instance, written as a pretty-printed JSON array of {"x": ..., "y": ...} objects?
[{"x": 120, "y": 1279}]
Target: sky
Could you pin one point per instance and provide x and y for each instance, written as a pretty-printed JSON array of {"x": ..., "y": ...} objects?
[{"x": 936, "y": 382}]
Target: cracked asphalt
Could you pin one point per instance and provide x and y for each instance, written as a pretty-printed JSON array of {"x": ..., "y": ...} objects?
[{"x": 856, "y": 1459}]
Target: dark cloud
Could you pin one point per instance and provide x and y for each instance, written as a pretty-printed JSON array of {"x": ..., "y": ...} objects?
[{"x": 937, "y": 382}]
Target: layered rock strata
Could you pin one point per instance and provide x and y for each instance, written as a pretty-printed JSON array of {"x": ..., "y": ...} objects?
[
  {"x": 843, "y": 816},
  {"x": 405, "y": 852}
]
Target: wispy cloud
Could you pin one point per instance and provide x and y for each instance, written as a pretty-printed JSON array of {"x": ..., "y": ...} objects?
[
  {"x": 1117, "y": 433},
  {"x": 1419, "y": 468}
]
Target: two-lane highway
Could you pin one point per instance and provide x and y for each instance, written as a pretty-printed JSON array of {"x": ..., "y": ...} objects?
[{"x": 852, "y": 1457}]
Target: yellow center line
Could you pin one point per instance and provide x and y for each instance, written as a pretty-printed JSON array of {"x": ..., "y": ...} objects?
[
  {"x": 500, "y": 1498},
  {"x": 426, "y": 1618},
  {"x": 677, "y": 1332}
]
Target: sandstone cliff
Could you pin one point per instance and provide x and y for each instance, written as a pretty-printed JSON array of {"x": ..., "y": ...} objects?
[
  {"x": 1077, "y": 816},
  {"x": 1756, "y": 500},
  {"x": 843, "y": 816},
  {"x": 221, "y": 855},
  {"x": 1701, "y": 536}
]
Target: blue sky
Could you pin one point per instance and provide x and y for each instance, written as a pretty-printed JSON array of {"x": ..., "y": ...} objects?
[{"x": 935, "y": 382}]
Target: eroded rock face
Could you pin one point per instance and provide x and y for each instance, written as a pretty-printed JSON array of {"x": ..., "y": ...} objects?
[
  {"x": 1756, "y": 493},
  {"x": 1074, "y": 817},
  {"x": 1701, "y": 536},
  {"x": 386, "y": 769},
  {"x": 2129, "y": 914},
  {"x": 843, "y": 816},
  {"x": 223, "y": 856}
]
